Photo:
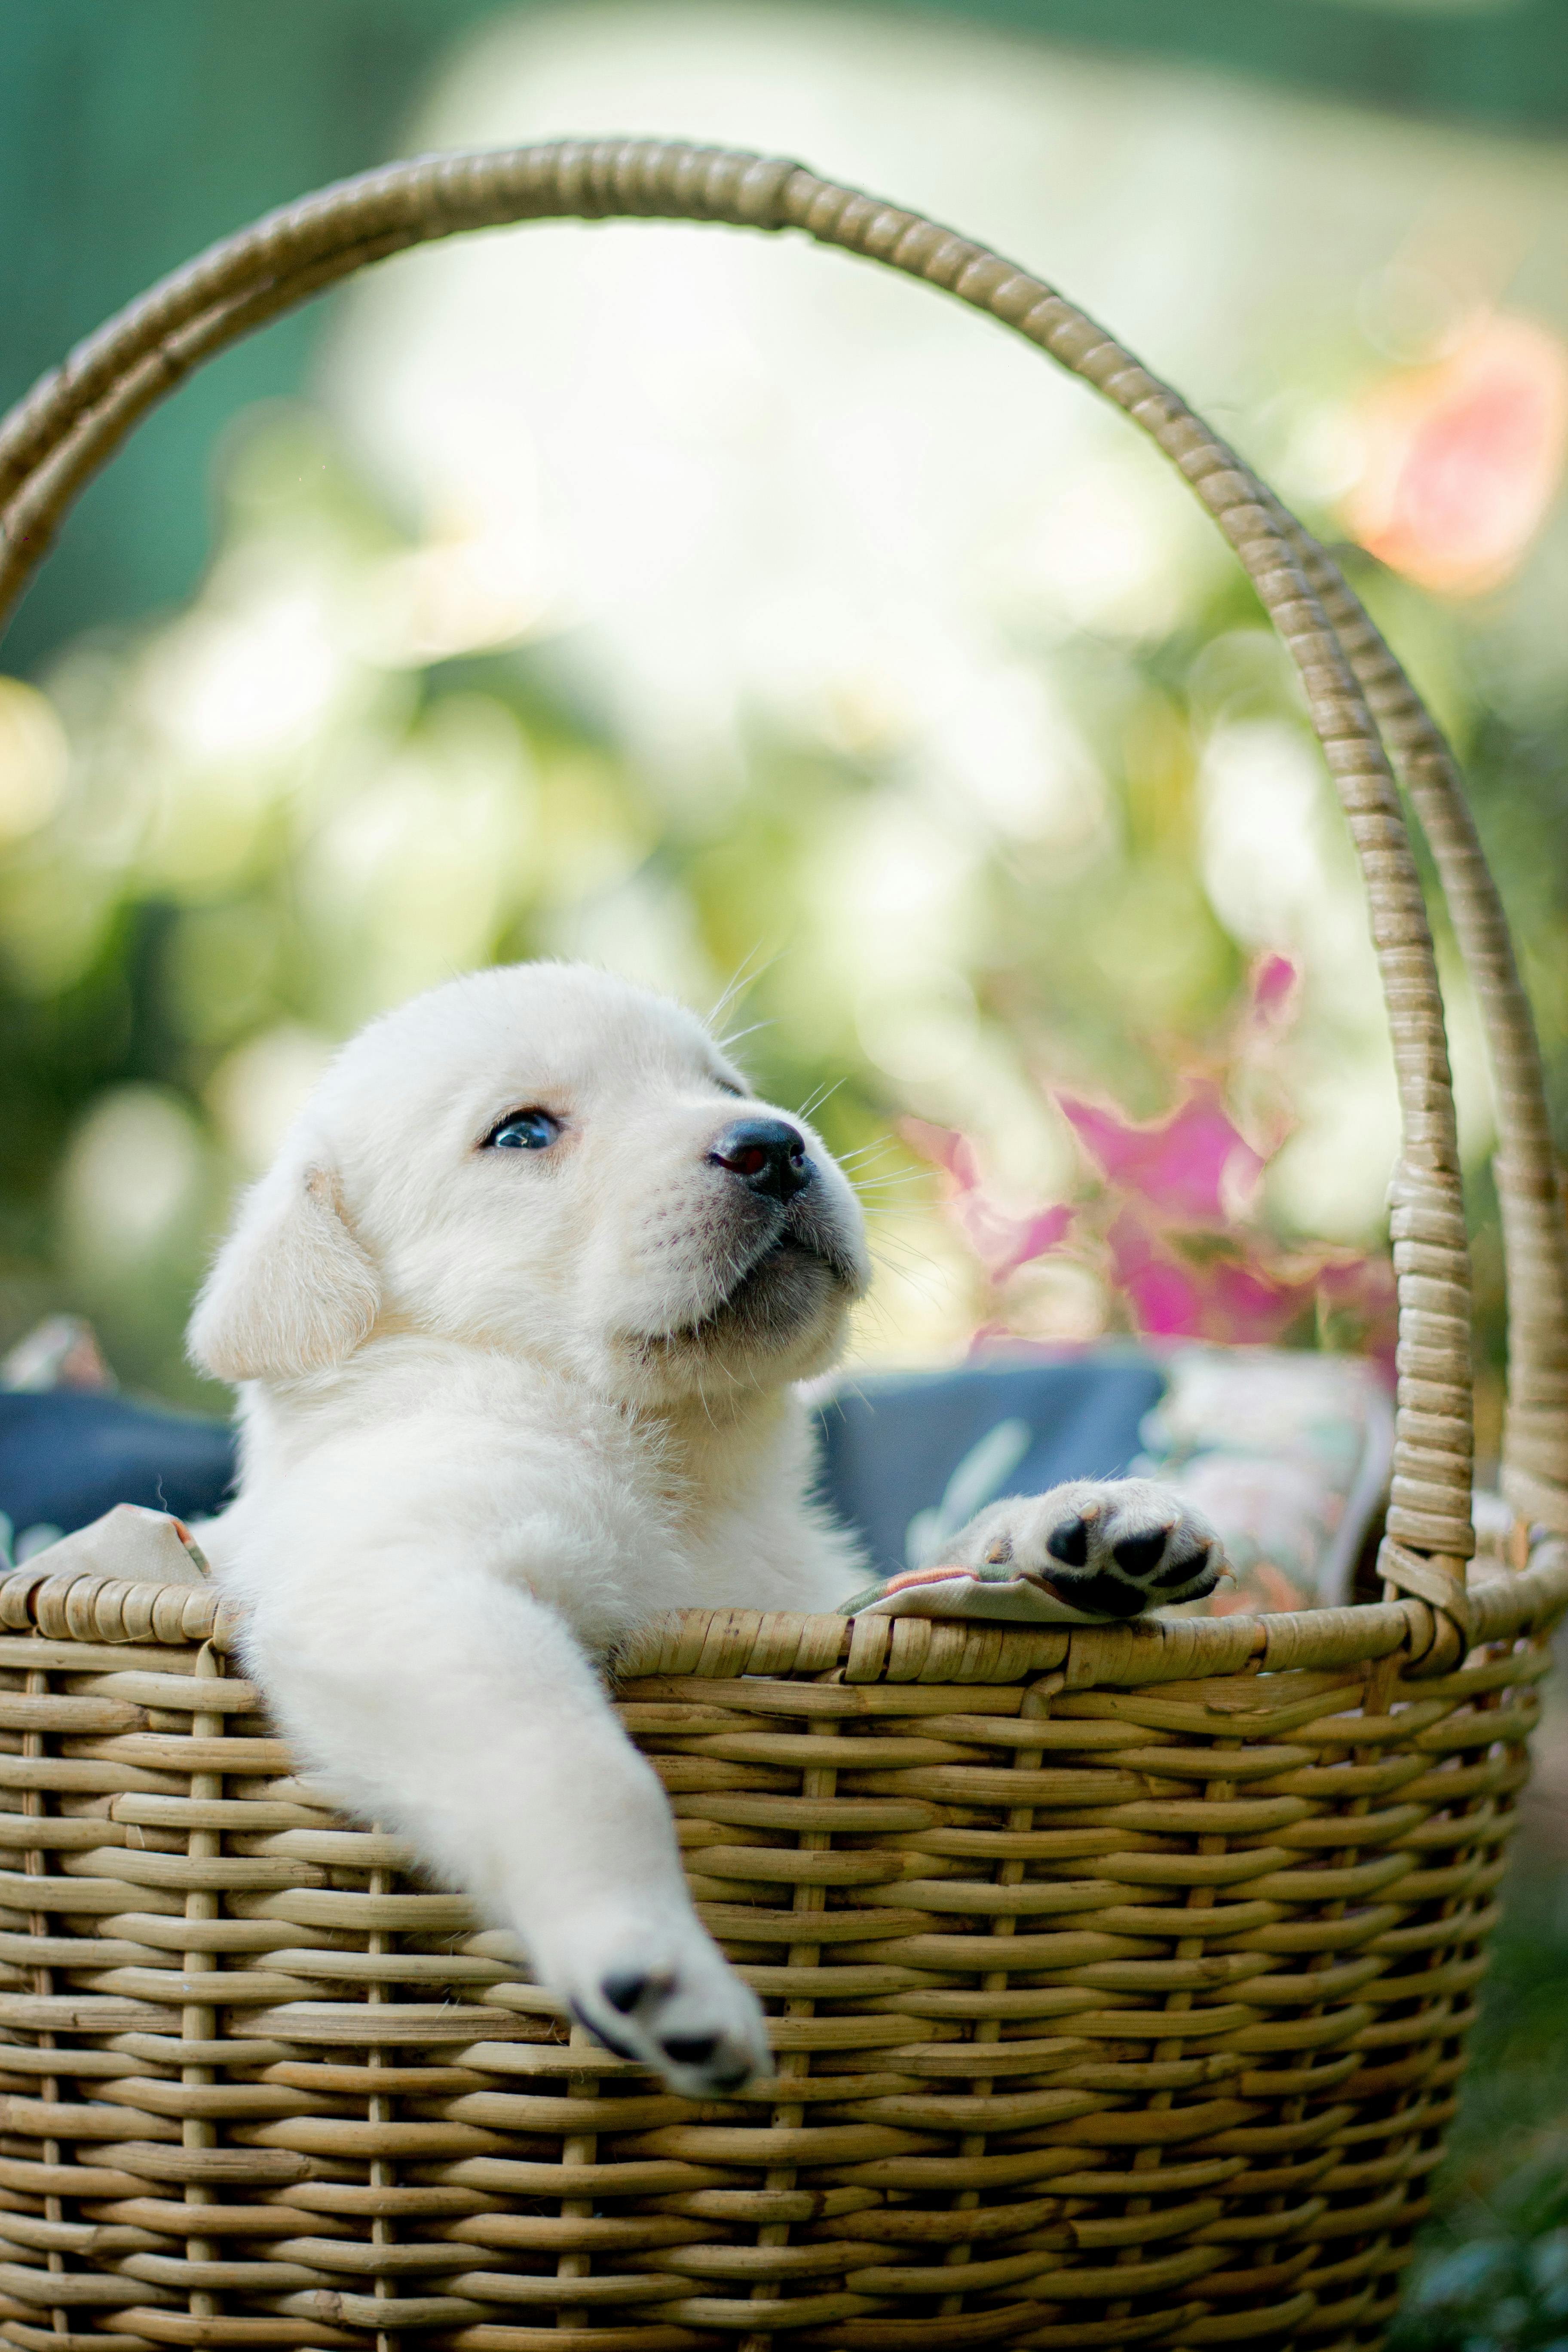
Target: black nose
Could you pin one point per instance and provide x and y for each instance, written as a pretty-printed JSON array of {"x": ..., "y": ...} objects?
[{"x": 767, "y": 1154}]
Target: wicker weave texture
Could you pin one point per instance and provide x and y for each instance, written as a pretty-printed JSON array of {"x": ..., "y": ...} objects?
[{"x": 1113, "y": 2003}]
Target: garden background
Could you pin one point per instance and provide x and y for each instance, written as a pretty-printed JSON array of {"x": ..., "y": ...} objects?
[{"x": 727, "y": 614}]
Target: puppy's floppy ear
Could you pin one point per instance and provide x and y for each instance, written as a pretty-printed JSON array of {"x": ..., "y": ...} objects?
[{"x": 291, "y": 1291}]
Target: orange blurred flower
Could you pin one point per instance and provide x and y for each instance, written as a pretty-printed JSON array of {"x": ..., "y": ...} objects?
[{"x": 1461, "y": 459}]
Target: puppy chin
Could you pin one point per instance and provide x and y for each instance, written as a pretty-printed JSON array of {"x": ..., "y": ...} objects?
[{"x": 783, "y": 1320}]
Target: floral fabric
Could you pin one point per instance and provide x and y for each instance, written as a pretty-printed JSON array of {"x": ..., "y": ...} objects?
[{"x": 1288, "y": 1454}]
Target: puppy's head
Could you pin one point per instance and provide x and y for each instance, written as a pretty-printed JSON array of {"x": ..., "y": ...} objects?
[{"x": 545, "y": 1160}]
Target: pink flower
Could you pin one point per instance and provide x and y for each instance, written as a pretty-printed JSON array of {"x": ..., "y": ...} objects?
[
  {"x": 1171, "y": 1298},
  {"x": 1271, "y": 987},
  {"x": 1195, "y": 1167},
  {"x": 1462, "y": 459},
  {"x": 945, "y": 1148},
  {"x": 1002, "y": 1242},
  {"x": 1171, "y": 1224},
  {"x": 1224, "y": 1295},
  {"x": 1250, "y": 1303}
]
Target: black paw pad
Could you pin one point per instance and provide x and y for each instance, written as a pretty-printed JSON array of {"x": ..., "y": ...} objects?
[
  {"x": 690, "y": 2049},
  {"x": 1139, "y": 1554},
  {"x": 624, "y": 1990},
  {"x": 606, "y": 2040},
  {"x": 1100, "y": 1594},
  {"x": 1070, "y": 1543},
  {"x": 1183, "y": 1572}
]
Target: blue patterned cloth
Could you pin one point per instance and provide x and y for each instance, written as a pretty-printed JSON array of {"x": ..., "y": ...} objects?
[
  {"x": 909, "y": 1457},
  {"x": 66, "y": 1456},
  {"x": 891, "y": 1444}
]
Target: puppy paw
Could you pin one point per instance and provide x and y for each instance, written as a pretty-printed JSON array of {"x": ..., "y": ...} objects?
[
  {"x": 1107, "y": 1547},
  {"x": 668, "y": 2000}
]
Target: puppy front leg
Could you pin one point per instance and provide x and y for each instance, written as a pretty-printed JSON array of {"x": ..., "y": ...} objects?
[{"x": 455, "y": 1706}]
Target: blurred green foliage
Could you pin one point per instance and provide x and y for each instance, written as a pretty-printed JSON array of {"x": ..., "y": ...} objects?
[
  {"x": 266, "y": 821},
  {"x": 129, "y": 138},
  {"x": 1491, "y": 2270}
]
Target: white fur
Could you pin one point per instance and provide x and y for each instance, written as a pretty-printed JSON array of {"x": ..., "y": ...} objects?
[
  {"x": 500, "y": 1407},
  {"x": 481, "y": 1445}
]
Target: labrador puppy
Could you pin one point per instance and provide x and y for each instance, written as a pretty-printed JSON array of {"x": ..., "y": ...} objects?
[{"x": 518, "y": 1319}]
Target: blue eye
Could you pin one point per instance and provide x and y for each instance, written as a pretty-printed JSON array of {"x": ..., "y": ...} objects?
[{"x": 524, "y": 1130}]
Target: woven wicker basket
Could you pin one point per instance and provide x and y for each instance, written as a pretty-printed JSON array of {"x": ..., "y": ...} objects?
[{"x": 1120, "y": 1976}]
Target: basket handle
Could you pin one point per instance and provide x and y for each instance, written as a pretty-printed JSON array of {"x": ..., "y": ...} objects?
[
  {"x": 1528, "y": 1182},
  {"x": 66, "y": 429}
]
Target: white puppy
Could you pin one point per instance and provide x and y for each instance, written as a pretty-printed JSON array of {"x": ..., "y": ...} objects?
[{"x": 519, "y": 1315}]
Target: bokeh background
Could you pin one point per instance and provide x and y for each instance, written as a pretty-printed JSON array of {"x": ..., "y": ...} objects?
[{"x": 727, "y": 613}]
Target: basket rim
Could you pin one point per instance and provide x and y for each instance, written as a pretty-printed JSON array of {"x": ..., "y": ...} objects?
[{"x": 720, "y": 1644}]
